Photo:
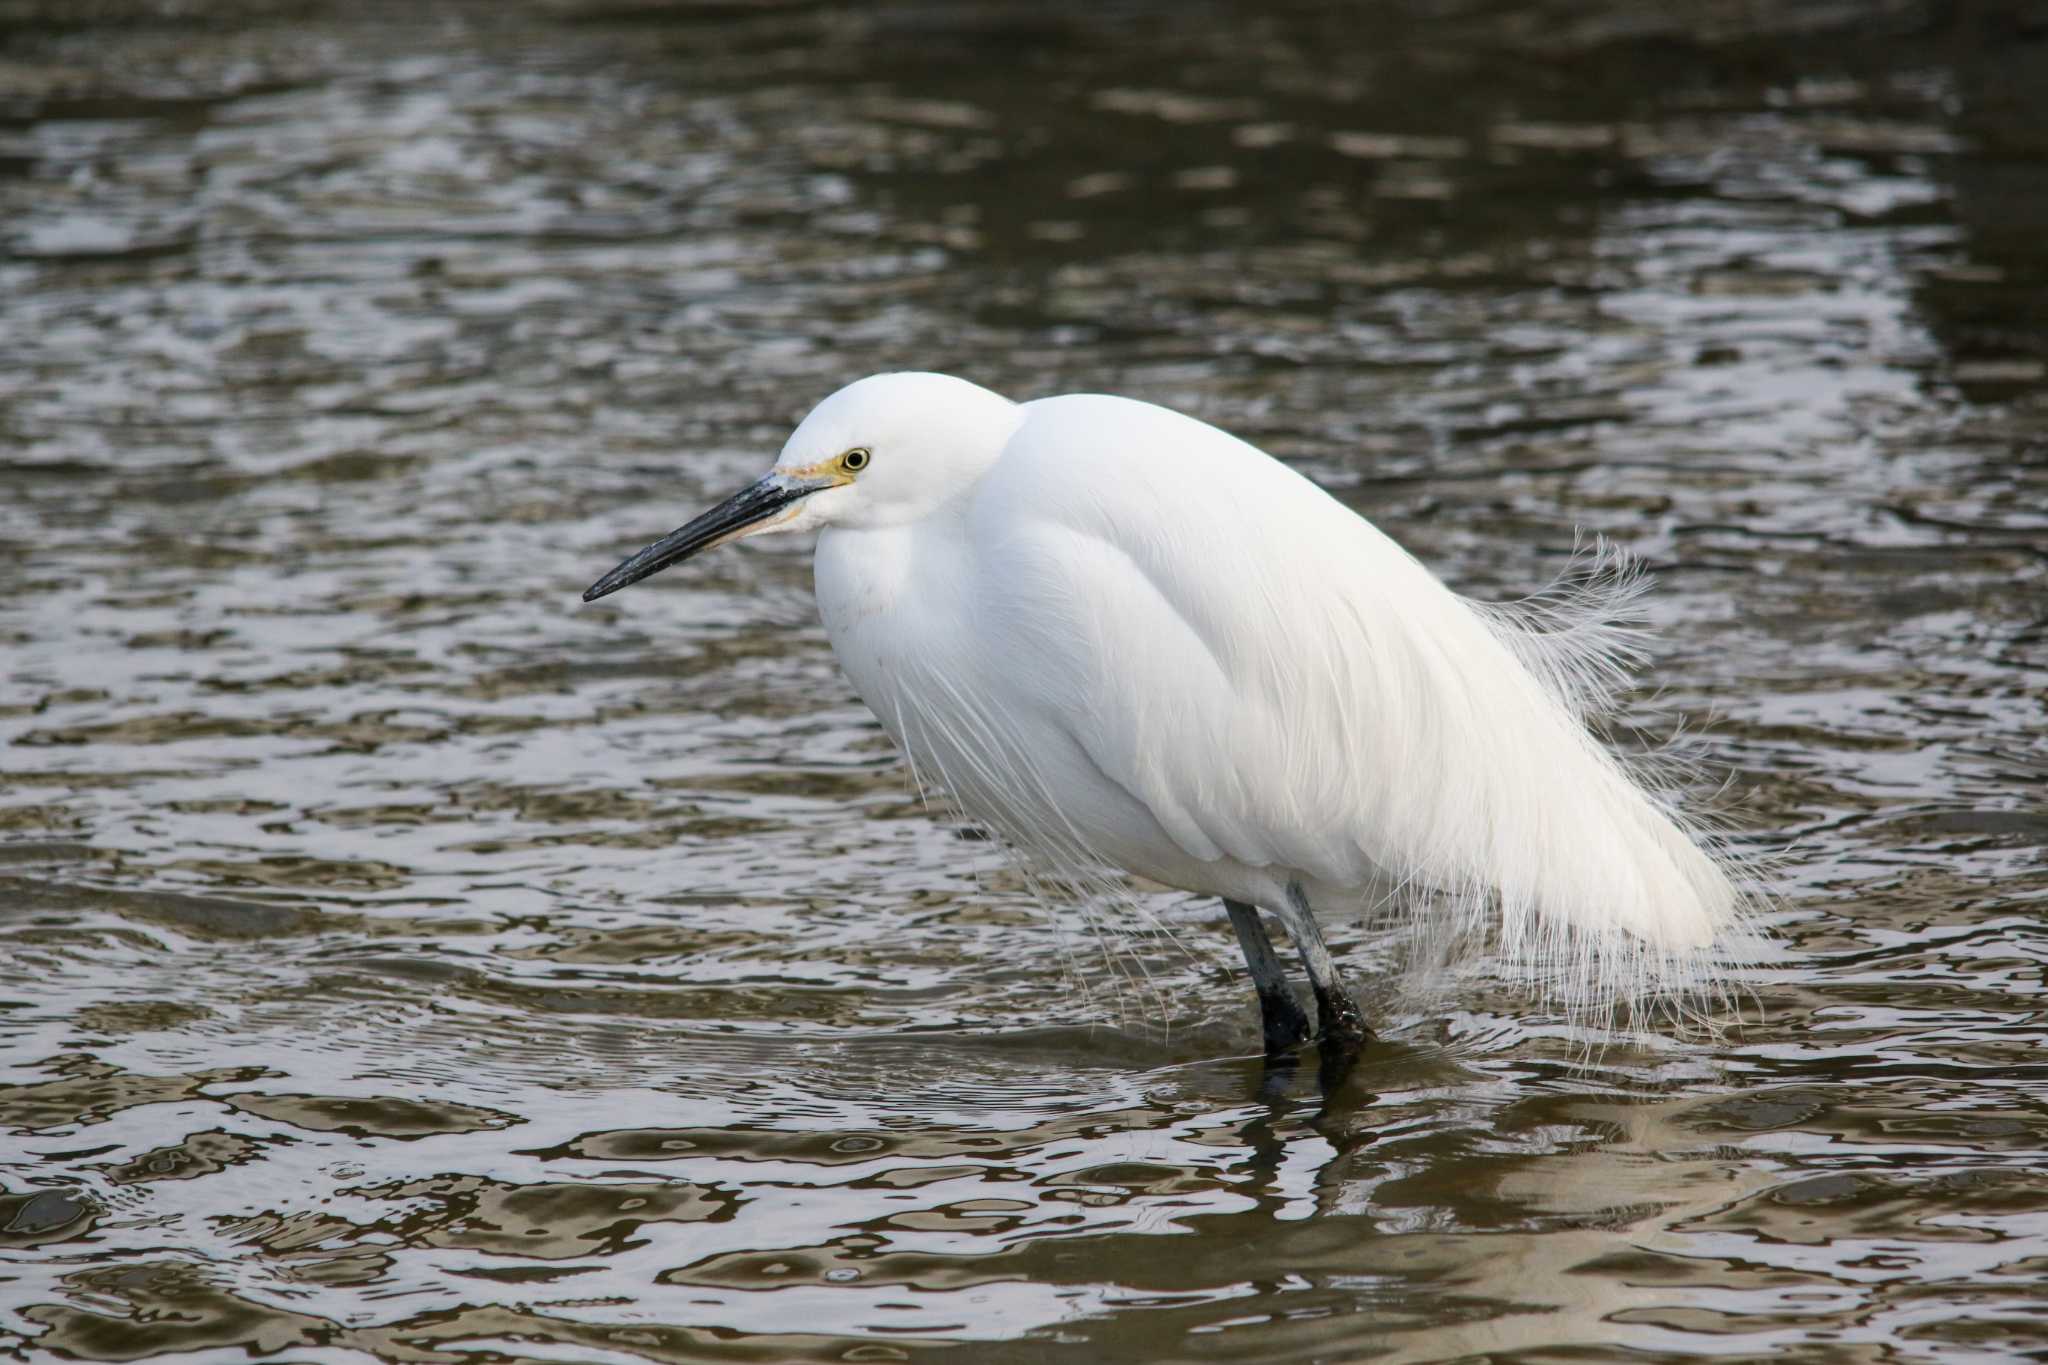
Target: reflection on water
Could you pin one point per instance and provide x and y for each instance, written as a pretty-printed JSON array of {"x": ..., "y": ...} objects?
[{"x": 405, "y": 962}]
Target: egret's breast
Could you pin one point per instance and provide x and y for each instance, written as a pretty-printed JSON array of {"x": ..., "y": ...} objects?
[{"x": 923, "y": 630}]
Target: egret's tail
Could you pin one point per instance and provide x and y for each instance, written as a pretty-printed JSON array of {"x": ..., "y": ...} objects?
[{"x": 1596, "y": 888}]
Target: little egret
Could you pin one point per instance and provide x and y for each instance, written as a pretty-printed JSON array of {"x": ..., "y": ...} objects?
[{"x": 1122, "y": 638}]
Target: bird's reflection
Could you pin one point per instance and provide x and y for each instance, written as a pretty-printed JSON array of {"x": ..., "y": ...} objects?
[
  {"x": 1298, "y": 1140},
  {"x": 1335, "y": 1061}
]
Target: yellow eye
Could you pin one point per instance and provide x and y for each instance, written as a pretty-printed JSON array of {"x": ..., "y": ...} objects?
[{"x": 855, "y": 460}]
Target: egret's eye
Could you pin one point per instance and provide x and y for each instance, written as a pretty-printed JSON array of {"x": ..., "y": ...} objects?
[{"x": 855, "y": 460}]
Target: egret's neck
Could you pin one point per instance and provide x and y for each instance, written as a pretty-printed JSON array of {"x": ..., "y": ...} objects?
[
  {"x": 860, "y": 571},
  {"x": 901, "y": 580},
  {"x": 864, "y": 572}
]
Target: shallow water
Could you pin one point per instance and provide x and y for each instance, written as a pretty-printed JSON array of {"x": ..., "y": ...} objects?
[{"x": 405, "y": 962}]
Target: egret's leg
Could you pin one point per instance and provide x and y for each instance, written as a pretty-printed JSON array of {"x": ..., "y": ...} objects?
[
  {"x": 1285, "y": 1024},
  {"x": 1341, "y": 1021}
]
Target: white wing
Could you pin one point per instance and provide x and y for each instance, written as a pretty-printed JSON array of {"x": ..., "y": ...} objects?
[{"x": 1281, "y": 685}]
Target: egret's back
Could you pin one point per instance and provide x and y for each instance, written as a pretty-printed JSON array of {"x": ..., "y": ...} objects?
[{"x": 1279, "y": 692}]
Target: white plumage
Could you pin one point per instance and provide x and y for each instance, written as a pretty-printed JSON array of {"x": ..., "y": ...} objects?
[{"x": 1126, "y": 639}]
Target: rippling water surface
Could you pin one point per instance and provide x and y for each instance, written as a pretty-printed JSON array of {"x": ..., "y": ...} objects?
[{"x": 401, "y": 961}]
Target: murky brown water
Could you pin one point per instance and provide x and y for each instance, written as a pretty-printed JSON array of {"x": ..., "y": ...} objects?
[{"x": 404, "y": 962}]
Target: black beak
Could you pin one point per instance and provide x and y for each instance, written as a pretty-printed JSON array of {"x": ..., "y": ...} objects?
[{"x": 729, "y": 520}]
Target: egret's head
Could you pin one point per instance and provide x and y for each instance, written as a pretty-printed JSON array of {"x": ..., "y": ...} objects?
[{"x": 885, "y": 450}]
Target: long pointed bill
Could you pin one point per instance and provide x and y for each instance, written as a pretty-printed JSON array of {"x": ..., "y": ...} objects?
[{"x": 753, "y": 508}]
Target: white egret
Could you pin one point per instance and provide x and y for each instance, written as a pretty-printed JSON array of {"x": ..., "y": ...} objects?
[{"x": 1125, "y": 639}]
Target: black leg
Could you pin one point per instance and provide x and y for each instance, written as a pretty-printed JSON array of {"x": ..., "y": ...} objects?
[
  {"x": 1343, "y": 1026},
  {"x": 1286, "y": 1026}
]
